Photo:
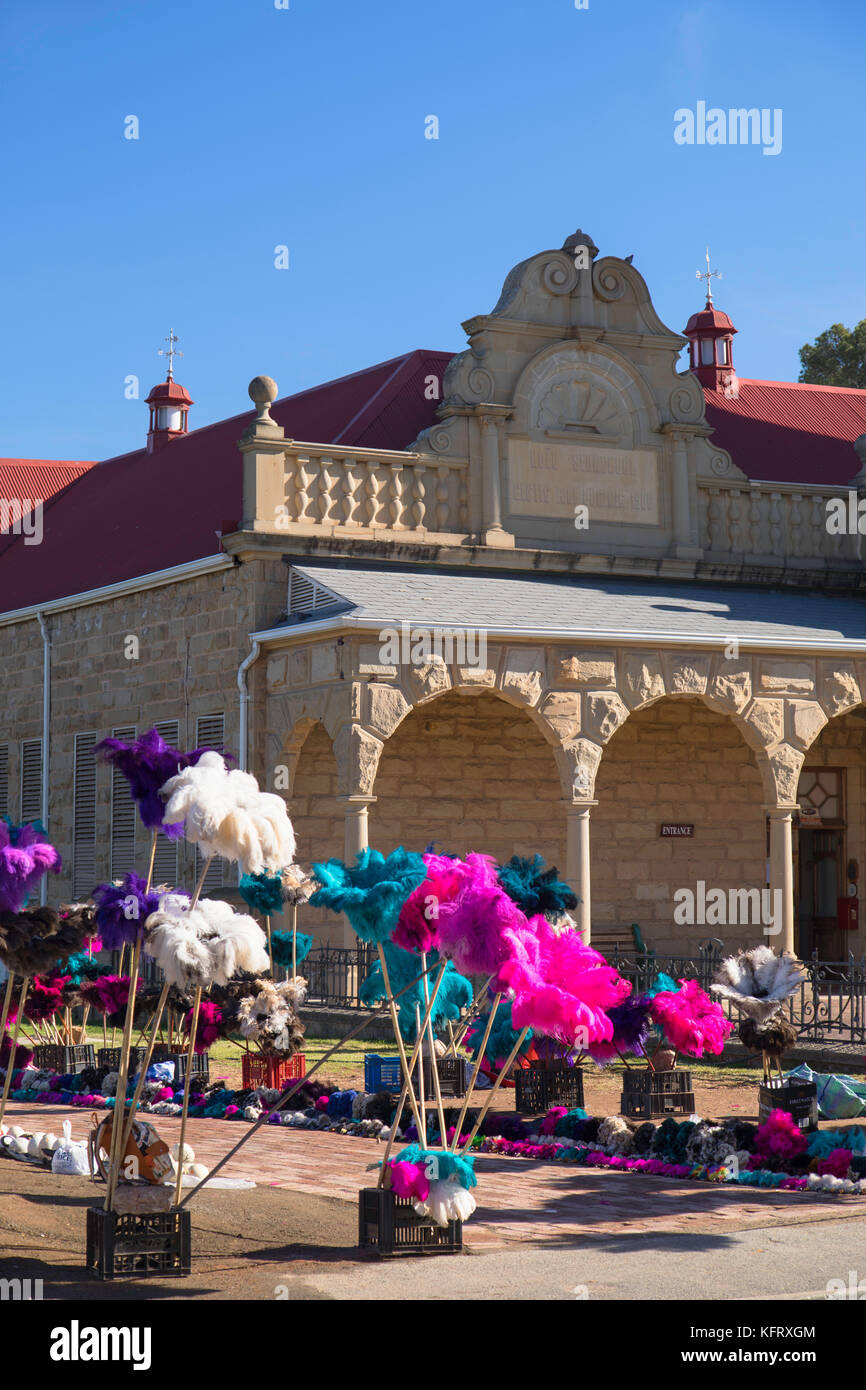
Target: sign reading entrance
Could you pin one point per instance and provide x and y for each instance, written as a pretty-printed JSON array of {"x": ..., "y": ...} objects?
[
  {"x": 676, "y": 832},
  {"x": 614, "y": 484}
]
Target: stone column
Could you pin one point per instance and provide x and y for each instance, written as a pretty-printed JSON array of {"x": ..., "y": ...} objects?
[
  {"x": 684, "y": 519},
  {"x": 782, "y": 873},
  {"x": 355, "y": 839},
  {"x": 263, "y": 446},
  {"x": 491, "y": 418},
  {"x": 577, "y": 860}
]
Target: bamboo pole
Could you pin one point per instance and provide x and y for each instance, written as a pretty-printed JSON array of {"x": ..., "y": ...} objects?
[
  {"x": 270, "y": 946},
  {"x": 491, "y": 1093},
  {"x": 118, "y": 1124},
  {"x": 7, "y": 999},
  {"x": 470, "y": 1016},
  {"x": 395, "y": 1123},
  {"x": 145, "y": 1064},
  {"x": 422, "y": 1132},
  {"x": 287, "y": 1095},
  {"x": 7, "y": 1084},
  {"x": 468, "y": 1097},
  {"x": 433, "y": 1059},
  {"x": 399, "y": 1037},
  {"x": 294, "y": 939},
  {"x": 187, "y": 1082}
]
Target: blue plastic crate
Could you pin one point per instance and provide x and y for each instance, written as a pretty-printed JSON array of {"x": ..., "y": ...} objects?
[{"x": 382, "y": 1073}]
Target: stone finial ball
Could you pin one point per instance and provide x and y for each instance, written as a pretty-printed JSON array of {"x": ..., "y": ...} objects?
[{"x": 262, "y": 390}]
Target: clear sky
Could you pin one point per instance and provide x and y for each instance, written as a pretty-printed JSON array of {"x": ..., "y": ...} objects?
[{"x": 305, "y": 127}]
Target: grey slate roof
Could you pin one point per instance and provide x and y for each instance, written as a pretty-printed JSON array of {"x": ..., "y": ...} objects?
[{"x": 589, "y": 606}]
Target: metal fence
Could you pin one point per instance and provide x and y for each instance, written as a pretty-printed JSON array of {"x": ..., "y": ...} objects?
[
  {"x": 828, "y": 1007},
  {"x": 334, "y": 975}
]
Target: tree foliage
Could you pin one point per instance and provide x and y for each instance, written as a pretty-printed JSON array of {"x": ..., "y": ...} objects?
[{"x": 836, "y": 358}]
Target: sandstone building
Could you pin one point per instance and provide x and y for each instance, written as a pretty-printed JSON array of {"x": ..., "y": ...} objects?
[{"x": 556, "y": 593}]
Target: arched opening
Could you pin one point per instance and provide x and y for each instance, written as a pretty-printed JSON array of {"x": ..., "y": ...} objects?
[
  {"x": 677, "y": 763},
  {"x": 829, "y": 841},
  {"x": 470, "y": 772}
]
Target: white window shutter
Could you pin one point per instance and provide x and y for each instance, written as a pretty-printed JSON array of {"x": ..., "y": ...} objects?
[
  {"x": 4, "y": 779},
  {"x": 31, "y": 779},
  {"x": 84, "y": 817},
  {"x": 123, "y": 816}
]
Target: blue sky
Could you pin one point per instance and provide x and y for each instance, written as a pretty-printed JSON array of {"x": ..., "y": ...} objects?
[{"x": 305, "y": 126}]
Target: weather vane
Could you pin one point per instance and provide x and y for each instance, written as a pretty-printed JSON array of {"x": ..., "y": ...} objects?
[
  {"x": 171, "y": 352},
  {"x": 708, "y": 276}
]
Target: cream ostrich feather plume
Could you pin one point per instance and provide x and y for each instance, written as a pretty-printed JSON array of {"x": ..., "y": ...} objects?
[
  {"x": 205, "y": 945},
  {"x": 226, "y": 813},
  {"x": 758, "y": 982}
]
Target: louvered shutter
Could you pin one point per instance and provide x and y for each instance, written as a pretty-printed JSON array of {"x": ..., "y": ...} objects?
[
  {"x": 31, "y": 779},
  {"x": 210, "y": 732},
  {"x": 123, "y": 815},
  {"x": 165, "y": 869},
  {"x": 4, "y": 779},
  {"x": 84, "y": 817}
]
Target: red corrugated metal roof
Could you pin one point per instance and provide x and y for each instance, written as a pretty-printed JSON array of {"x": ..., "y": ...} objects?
[
  {"x": 37, "y": 479},
  {"x": 780, "y": 431},
  {"x": 143, "y": 512}
]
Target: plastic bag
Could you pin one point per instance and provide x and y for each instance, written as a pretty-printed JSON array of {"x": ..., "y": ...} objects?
[{"x": 70, "y": 1158}]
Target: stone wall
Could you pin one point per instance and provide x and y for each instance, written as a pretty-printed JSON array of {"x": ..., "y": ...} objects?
[
  {"x": 317, "y": 817},
  {"x": 676, "y": 761},
  {"x": 472, "y": 773}
]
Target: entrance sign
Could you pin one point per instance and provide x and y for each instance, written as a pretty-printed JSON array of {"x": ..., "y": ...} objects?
[
  {"x": 619, "y": 485},
  {"x": 676, "y": 832}
]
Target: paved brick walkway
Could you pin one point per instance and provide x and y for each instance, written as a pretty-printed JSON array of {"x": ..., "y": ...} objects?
[{"x": 518, "y": 1199}]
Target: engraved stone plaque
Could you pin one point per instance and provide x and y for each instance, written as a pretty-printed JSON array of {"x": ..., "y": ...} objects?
[{"x": 550, "y": 480}]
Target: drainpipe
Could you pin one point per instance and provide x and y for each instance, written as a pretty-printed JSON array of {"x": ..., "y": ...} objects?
[
  {"x": 244, "y": 693},
  {"x": 46, "y": 735}
]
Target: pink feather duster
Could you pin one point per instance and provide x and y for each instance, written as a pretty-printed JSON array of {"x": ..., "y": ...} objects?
[
  {"x": 478, "y": 925},
  {"x": 692, "y": 1022},
  {"x": 418, "y": 924},
  {"x": 560, "y": 987}
]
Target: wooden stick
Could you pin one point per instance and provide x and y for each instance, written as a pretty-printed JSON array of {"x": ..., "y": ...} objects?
[
  {"x": 399, "y": 1037},
  {"x": 270, "y": 947},
  {"x": 7, "y": 999},
  {"x": 294, "y": 939},
  {"x": 145, "y": 1064},
  {"x": 422, "y": 1133},
  {"x": 117, "y": 1125},
  {"x": 467, "y": 1098},
  {"x": 470, "y": 1016},
  {"x": 201, "y": 879},
  {"x": 434, "y": 1063},
  {"x": 187, "y": 1081},
  {"x": 491, "y": 1093},
  {"x": 7, "y": 1084},
  {"x": 287, "y": 1095},
  {"x": 398, "y": 1115}
]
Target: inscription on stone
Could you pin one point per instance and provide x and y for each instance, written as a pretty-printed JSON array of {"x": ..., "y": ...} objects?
[{"x": 550, "y": 480}]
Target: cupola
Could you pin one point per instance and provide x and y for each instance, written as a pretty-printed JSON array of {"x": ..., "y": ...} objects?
[
  {"x": 169, "y": 404},
  {"x": 710, "y": 334}
]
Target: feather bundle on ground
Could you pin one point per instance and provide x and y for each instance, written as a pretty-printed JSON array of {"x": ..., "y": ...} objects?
[
  {"x": 758, "y": 982},
  {"x": 536, "y": 888},
  {"x": 122, "y": 908},
  {"x": 25, "y": 857},
  {"x": 147, "y": 763},
  {"x": 226, "y": 813},
  {"x": 204, "y": 945},
  {"x": 560, "y": 987},
  {"x": 692, "y": 1023},
  {"x": 372, "y": 893}
]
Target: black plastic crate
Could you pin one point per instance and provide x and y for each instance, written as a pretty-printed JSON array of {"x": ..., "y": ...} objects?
[
  {"x": 798, "y": 1098},
  {"x": 64, "y": 1059},
  {"x": 390, "y": 1225},
  {"x": 136, "y": 1244},
  {"x": 200, "y": 1066},
  {"x": 543, "y": 1084},
  {"x": 452, "y": 1077},
  {"x": 646, "y": 1094},
  {"x": 110, "y": 1057}
]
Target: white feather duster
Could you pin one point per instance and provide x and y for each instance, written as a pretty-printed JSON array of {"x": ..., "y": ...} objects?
[
  {"x": 446, "y": 1201},
  {"x": 226, "y": 813},
  {"x": 758, "y": 982},
  {"x": 206, "y": 945}
]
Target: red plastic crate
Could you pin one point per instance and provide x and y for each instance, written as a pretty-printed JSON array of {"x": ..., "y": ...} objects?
[{"x": 272, "y": 1072}]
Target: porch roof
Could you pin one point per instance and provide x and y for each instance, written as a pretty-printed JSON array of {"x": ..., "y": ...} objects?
[{"x": 566, "y": 607}]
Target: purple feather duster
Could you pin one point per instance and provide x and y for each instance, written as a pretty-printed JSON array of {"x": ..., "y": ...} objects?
[
  {"x": 122, "y": 910},
  {"x": 25, "y": 855},
  {"x": 631, "y": 1027},
  {"x": 147, "y": 764}
]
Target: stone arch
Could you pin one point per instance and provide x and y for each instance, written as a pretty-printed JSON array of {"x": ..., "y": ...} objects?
[
  {"x": 676, "y": 759},
  {"x": 473, "y": 771},
  {"x": 607, "y": 383}
]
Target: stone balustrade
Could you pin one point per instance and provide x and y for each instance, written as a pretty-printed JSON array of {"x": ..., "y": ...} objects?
[
  {"x": 331, "y": 490},
  {"x": 771, "y": 524}
]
